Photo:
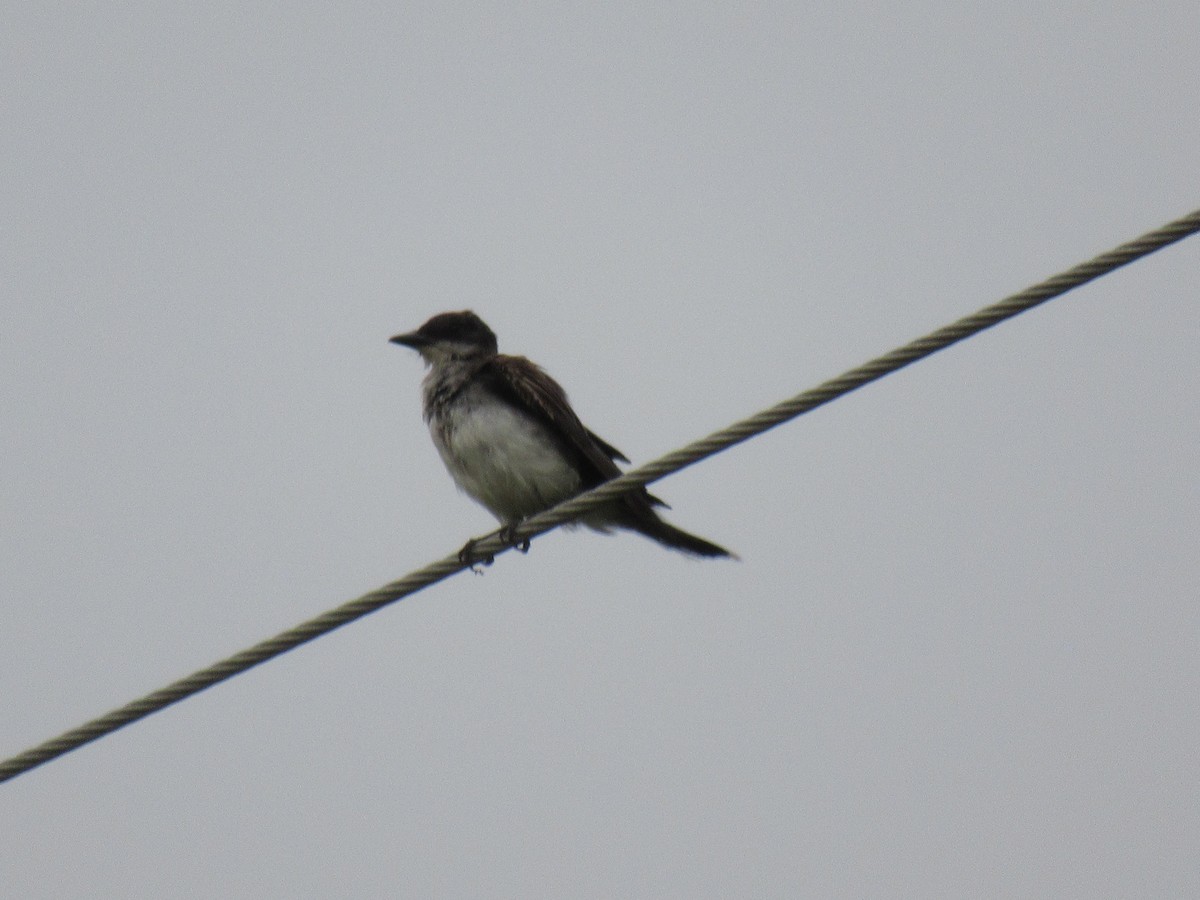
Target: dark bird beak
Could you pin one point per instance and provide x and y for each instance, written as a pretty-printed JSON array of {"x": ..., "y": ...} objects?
[{"x": 412, "y": 339}]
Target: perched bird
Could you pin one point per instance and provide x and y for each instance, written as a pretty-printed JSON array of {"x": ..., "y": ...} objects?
[{"x": 511, "y": 441}]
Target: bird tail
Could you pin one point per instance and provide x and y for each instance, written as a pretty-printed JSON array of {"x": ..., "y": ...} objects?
[{"x": 676, "y": 538}]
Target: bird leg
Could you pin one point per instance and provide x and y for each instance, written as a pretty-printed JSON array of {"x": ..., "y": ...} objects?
[
  {"x": 467, "y": 555},
  {"x": 508, "y": 534}
]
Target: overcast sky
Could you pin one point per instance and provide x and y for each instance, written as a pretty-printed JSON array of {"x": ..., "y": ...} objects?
[{"x": 961, "y": 653}]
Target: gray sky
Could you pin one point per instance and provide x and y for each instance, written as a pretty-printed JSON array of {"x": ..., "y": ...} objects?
[{"x": 961, "y": 654}]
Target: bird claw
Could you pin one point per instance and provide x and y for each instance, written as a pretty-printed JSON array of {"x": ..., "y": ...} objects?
[
  {"x": 508, "y": 534},
  {"x": 467, "y": 556}
]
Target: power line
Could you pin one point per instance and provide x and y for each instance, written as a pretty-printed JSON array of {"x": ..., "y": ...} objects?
[{"x": 492, "y": 545}]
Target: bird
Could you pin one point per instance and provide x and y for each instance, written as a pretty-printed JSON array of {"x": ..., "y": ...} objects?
[{"x": 509, "y": 438}]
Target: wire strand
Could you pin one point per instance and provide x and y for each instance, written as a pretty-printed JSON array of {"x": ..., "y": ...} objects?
[{"x": 493, "y": 545}]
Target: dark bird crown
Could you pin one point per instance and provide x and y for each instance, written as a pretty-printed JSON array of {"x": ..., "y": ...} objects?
[{"x": 459, "y": 327}]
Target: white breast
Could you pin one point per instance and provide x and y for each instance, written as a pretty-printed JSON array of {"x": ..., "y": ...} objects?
[{"x": 502, "y": 458}]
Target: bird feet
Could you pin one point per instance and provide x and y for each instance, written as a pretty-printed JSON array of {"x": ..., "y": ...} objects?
[
  {"x": 508, "y": 534},
  {"x": 468, "y": 555}
]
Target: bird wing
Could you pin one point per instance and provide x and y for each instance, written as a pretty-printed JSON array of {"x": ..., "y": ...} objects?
[
  {"x": 522, "y": 382},
  {"x": 610, "y": 451}
]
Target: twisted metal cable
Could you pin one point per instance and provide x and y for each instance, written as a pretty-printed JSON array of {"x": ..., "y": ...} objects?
[
  {"x": 853, "y": 379},
  {"x": 492, "y": 544}
]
